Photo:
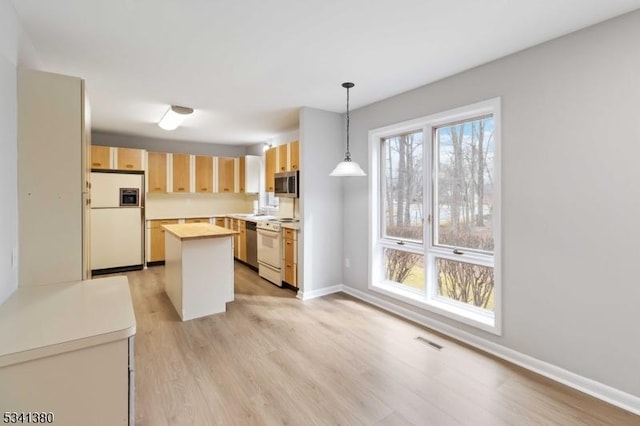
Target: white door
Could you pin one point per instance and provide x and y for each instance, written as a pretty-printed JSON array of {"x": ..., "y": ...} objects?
[{"x": 116, "y": 237}]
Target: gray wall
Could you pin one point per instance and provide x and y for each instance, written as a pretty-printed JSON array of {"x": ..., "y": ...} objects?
[
  {"x": 321, "y": 148},
  {"x": 9, "y": 32},
  {"x": 166, "y": 145},
  {"x": 571, "y": 196}
]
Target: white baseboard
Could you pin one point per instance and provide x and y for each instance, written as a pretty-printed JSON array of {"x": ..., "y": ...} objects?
[
  {"x": 599, "y": 390},
  {"x": 312, "y": 294}
]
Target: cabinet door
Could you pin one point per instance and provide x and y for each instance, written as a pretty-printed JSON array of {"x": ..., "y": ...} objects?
[
  {"x": 226, "y": 175},
  {"x": 100, "y": 157},
  {"x": 282, "y": 158},
  {"x": 181, "y": 179},
  {"x": 129, "y": 159},
  {"x": 242, "y": 170},
  {"x": 156, "y": 248},
  {"x": 242, "y": 240},
  {"x": 270, "y": 169},
  {"x": 294, "y": 156},
  {"x": 204, "y": 174},
  {"x": 157, "y": 171},
  {"x": 220, "y": 221},
  {"x": 289, "y": 265},
  {"x": 234, "y": 226}
]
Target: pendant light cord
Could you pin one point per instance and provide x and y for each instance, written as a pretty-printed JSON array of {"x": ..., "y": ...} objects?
[{"x": 347, "y": 156}]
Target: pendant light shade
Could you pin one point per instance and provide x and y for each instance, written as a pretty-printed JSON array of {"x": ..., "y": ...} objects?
[{"x": 347, "y": 167}]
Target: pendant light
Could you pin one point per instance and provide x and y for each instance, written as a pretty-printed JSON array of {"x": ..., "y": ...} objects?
[{"x": 347, "y": 167}]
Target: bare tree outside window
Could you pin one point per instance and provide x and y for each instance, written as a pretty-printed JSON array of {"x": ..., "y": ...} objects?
[
  {"x": 403, "y": 206},
  {"x": 464, "y": 206}
]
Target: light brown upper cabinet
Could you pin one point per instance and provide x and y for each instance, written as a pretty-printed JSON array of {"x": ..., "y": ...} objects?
[
  {"x": 204, "y": 174},
  {"x": 129, "y": 159},
  {"x": 181, "y": 179},
  {"x": 157, "y": 171},
  {"x": 100, "y": 157},
  {"x": 226, "y": 174},
  {"x": 242, "y": 171},
  {"x": 294, "y": 156},
  {"x": 270, "y": 169},
  {"x": 282, "y": 157}
]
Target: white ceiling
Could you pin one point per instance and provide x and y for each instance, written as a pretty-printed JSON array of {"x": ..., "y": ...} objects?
[{"x": 246, "y": 66}]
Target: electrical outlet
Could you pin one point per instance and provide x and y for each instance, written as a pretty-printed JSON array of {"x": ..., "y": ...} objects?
[{"x": 347, "y": 262}]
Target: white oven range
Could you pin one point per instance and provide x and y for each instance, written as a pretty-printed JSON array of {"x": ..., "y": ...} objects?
[{"x": 270, "y": 251}]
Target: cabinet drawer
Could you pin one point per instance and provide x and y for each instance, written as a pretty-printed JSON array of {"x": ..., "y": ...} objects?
[
  {"x": 290, "y": 234},
  {"x": 290, "y": 251},
  {"x": 198, "y": 220},
  {"x": 290, "y": 274},
  {"x": 154, "y": 224}
]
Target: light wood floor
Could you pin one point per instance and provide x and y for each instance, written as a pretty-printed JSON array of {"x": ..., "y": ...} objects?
[{"x": 274, "y": 360}]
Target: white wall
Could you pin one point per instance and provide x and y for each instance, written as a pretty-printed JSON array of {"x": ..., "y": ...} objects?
[
  {"x": 571, "y": 196},
  {"x": 9, "y": 35},
  {"x": 321, "y": 148}
]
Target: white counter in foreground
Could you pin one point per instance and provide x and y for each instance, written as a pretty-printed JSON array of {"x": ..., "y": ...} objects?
[
  {"x": 199, "y": 268},
  {"x": 68, "y": 349}
]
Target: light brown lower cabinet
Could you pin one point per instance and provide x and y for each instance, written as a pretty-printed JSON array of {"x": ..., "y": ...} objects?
[
  {"x": 242, "y": 240},
  {"x": 290, "y": 257},
  {"x": 156, "y": 243},
  {"x": 198, "y": 220}
]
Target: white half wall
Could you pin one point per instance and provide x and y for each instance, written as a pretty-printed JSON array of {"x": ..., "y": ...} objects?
[
  {"x": 571, "y": 197},
  {"x": 321, "y": 148}
]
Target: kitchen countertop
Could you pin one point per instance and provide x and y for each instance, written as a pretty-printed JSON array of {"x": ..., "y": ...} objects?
[
  {"x": 291, "y": 225},
  {"x": 193, "y": 231},
  {"x": 47, "y": 320}
]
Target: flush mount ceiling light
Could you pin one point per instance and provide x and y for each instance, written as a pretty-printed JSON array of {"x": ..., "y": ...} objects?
[
  {"x": 174, "y": 116},
  {"x": 347, "y": 167}
]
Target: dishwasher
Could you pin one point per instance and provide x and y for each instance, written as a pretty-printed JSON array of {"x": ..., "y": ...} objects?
[{"x": 252, "y": 245}]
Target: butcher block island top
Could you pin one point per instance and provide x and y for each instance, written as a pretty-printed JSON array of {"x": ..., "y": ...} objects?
[{"x": 194, "y": 231}]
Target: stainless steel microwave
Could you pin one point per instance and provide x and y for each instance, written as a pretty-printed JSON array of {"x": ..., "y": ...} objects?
[{"x": 287, "y": 184}]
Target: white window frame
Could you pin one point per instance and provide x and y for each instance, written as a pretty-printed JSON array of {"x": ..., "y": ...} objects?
[{"x": 428, "y": 300}]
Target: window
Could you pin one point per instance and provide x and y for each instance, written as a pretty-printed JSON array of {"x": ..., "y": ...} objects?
[{"x": 435, "y": 213}]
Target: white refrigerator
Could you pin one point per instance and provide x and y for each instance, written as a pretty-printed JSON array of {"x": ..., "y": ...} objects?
[{"x": 117, "y": 214}]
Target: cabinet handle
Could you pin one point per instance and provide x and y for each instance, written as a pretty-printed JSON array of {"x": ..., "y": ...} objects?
[
  {"x": 456, "y": 251},
  {"x": 129, "y": 166},
  {"x": 157, "y": 189},
  {"x": 226, "y": 190},
  {"x": 180, "y": 189},
  {"x": 204, "y": 189},
  {"x": 281, "y": 168},
  {"x": 96, "y": 164}
]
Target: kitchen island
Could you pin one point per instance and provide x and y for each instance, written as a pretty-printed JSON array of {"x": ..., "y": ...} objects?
[{"x": 199, "y": 268}]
